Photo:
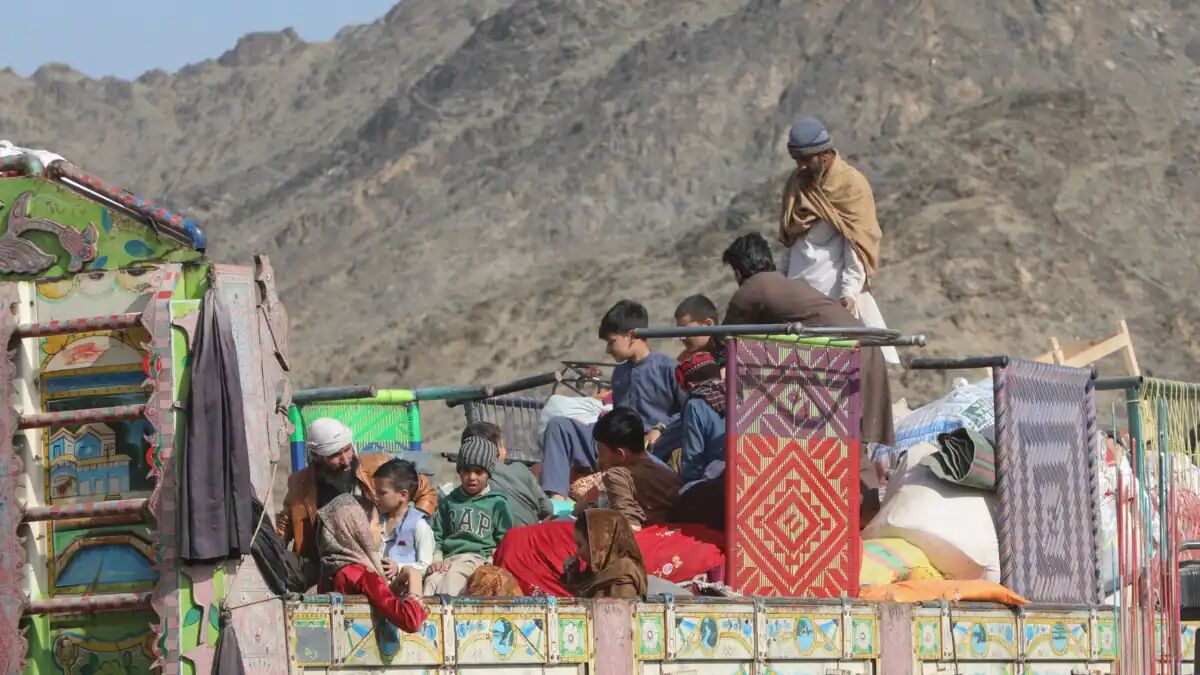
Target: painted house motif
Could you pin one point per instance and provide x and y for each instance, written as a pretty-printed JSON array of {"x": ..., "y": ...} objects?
[{"x": 85, "y": 463}]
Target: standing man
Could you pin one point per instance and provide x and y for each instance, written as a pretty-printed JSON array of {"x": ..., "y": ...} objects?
[
  {"x": 829, "y": 227},
  {"x": 335, "y": 468}
]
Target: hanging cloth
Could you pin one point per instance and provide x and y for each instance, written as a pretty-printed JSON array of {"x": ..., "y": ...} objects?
[{"x": 216, "y": 521}]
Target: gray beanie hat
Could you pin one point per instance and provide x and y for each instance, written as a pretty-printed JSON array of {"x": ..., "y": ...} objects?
[
  {"x": 808, "y": 137},
  {"x": 477, "y": 451}
]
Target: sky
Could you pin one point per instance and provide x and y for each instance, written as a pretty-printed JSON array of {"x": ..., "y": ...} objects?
[{"x": 126, "y": 38}]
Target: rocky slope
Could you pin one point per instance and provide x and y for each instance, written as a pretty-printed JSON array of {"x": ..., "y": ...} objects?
[{"x": 456, "y": 192}]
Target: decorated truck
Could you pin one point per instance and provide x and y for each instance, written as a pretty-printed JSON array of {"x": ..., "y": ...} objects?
[{"x": 104, "y": 290}]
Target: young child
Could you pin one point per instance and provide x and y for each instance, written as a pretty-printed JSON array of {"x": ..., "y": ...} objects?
[
  {"x": 407, "y": 536},
  {"x": 469, "y": 523},
  {"x": 637, "y": 485},
  {"x": 608, "y": 562},
  {"x": 703, "y": 416},
  {"x": 348, "y": 544},
  {"x": 527, "y": 501},
  {"x": 698, "y": 310},
  {"x": 644, "y": 381}
]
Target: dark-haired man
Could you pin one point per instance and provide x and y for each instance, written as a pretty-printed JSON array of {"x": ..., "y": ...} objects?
[{"x": 766, "y": 296}]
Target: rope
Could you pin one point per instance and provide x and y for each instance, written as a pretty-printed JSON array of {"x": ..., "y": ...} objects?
[{"x": 238, "y": 572}]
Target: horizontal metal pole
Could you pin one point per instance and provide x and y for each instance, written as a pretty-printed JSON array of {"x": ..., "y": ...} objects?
[
  {"x": 590, "y": 364},
  {"x": 524, "y": 383},
  {"x": 735, "y": 330},
  {"x": 552, "y": 377},
  {"x": 306, "y": 396},
  {"x": 67, "y": 326},
  {"x": 1112, "y": 383},
  {"x": 1109, "y": 383},
  {"x": 716, "y": 331},
  {"x": 958, "y": 364},
  {"x": 117, "y": 507},
  {"x": 903, "y": 341},
  {"x": 120, "y": 412},
  {"x": 442, "y": 393},
  {"x": 107, "y": 602}
]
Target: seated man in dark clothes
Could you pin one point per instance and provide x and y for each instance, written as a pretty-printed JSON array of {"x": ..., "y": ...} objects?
[
  {"x": 766, "y": 296},
  {"x": 644, "y": 381}
]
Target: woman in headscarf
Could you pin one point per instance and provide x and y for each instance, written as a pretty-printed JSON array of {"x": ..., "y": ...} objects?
[
  {"x": 348, "y": 540},
  {"x": 829, "y": 227},
  {"x": 608, "y": 562}
]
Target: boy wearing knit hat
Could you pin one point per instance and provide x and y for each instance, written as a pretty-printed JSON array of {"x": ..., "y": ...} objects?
[{"x": 469, "y": 523}]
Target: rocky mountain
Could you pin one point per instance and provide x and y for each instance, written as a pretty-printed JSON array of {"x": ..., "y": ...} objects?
[{"x": 455, "y": 192}]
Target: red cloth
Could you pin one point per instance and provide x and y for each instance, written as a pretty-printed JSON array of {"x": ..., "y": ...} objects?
[
  {"x": 680, "y": 552},
  {"x": 405, "y": 613},
  {"x": 535, "y": 554}
]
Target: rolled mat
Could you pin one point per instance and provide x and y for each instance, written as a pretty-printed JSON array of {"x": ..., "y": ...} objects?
[{"x": 967, "y": 458}]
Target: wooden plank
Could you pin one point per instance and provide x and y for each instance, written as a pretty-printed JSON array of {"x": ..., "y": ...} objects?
[
  {"x": 895, "y": 639},
  {"x": 613, "y": 636}
]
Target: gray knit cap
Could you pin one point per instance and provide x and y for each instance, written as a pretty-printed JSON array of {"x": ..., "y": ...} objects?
[
  {"x": 477, "y": 451},
  {"x": 808, "y": 137}
]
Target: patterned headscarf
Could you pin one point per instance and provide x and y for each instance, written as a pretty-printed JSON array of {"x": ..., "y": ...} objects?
[{"x": 699, "y": 374}]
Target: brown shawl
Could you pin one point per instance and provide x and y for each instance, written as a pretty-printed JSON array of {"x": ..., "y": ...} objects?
[
  {"x": 843, "y": 199},
  {"x": 615, "y": 568},
  {"x": 345, "y": 537}
]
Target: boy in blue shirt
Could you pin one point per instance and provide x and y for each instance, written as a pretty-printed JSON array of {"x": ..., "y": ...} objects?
[
  {"x": 407, "y": 537},
  {"x": 644, "y": 381}
]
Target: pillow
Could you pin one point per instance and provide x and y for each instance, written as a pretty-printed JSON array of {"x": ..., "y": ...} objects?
[{"x": 889, "y": 560}]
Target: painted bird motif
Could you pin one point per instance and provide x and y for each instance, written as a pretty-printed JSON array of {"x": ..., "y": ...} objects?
[{"x": 22, "y": 256}]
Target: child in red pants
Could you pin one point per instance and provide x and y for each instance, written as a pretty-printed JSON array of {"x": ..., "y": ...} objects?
[{"x": 350, "y": 561}]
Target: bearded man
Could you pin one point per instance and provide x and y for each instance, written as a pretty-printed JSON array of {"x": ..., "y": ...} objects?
[{"x": 335, "y": 468}]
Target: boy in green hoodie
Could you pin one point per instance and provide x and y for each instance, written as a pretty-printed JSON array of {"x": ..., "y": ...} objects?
[{"x": 469, "y": 523}]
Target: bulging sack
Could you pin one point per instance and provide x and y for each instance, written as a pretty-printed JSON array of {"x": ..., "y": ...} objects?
[{"x": 951, "y": 524}]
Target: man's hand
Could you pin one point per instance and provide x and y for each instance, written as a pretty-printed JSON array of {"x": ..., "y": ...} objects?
[
  {"x": 651, "y": 437},
  {"x": 850, "y": 305},
  {"x": 390, "y": 569},
  {"x": 439, "y": 566}
]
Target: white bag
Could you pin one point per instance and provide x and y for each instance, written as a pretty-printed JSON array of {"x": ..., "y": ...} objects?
[
  {"x": 583, "y": 409},
  {"x": 967, "y": 405},
  {"x": 951, "y": 524}
]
